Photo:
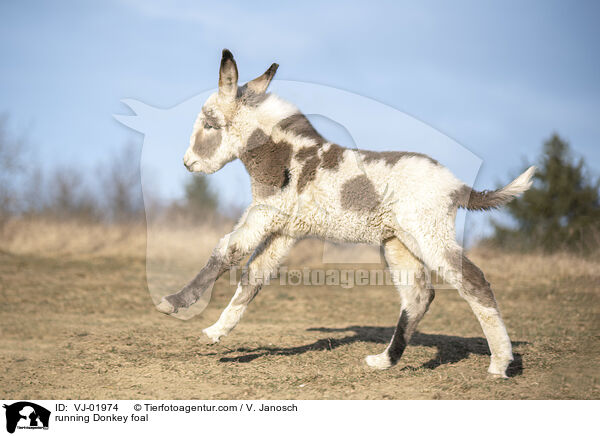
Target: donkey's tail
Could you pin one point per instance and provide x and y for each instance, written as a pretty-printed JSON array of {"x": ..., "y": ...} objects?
[{"x": 483, "y": 200}]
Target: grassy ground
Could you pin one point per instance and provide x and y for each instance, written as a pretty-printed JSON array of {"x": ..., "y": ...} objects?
[{"x": 85, "y": 327}]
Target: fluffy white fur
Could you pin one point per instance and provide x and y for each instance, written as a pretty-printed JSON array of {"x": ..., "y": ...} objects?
[{"x": 414, "y": 217}]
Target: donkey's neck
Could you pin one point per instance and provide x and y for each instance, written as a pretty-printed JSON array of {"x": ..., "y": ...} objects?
[
  {"x": 300, "y": 129},
  {"x": 283, "y": 121},
  {"x": 268, "y": 157}
]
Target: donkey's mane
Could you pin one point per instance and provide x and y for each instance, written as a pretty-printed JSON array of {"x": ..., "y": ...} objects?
[{"x": 299, "y": 125}]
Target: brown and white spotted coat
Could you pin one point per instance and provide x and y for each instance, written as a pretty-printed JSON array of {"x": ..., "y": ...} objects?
[{"x": 304, "y": 186}]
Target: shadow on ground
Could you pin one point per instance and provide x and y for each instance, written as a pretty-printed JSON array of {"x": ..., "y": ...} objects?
[{"x": 450, "y": 349}]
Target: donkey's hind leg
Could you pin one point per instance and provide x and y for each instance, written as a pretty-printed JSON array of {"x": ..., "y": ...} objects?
[
  {"x": 475, "y": 289},
  {"x": 411, "y": 279}
]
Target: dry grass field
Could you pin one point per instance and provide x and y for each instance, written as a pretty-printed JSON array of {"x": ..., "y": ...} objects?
[{"x": 77, "y": 321}]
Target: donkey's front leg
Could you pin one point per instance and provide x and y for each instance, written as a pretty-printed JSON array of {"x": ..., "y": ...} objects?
[
  {"x": 263, "y": 263},
  {"x": 256, "y": 223}
]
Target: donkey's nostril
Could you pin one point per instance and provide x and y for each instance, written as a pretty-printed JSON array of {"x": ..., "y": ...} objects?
[{"x": 189, "y": 166}]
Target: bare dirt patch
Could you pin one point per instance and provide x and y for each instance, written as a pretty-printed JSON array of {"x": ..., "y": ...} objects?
[{"x": 86, "y": 328}]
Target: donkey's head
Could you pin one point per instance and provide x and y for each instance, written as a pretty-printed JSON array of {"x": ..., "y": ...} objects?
[{"x": 228, "y": 118}]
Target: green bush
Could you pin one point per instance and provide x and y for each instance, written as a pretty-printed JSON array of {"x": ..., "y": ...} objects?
[{"x": 560, "y": 211}]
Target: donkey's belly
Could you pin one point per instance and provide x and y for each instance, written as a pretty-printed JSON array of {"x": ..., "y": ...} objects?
[{"x": 342, "y": 227}]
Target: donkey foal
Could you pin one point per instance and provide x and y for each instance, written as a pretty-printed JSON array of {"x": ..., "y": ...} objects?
[{"x": 304, "y": 186}]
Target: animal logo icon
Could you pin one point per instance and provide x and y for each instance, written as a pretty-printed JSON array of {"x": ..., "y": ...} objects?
[{"x": 26, "y": 415}]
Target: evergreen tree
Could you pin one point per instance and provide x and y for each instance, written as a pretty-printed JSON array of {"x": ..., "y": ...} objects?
[
  {"x": 562, "y": 208},
  {"x": 200, "y": 200}
]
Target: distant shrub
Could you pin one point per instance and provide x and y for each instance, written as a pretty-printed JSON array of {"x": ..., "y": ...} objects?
[
  {"x": 112, "y": 194},
  {"x": 199, "y": 203},
  {"x": 11, "y": 168},
  {"x": 120, "y": 187},
  {"x": 560, "y": 211}
]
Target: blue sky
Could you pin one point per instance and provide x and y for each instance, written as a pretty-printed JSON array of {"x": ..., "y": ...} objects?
[{"x": 497, "y": 77}]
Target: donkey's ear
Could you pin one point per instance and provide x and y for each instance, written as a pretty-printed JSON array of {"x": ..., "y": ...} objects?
[
  {"x": 261, "y": 83},
  {"x": 228, "y": 76}
]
